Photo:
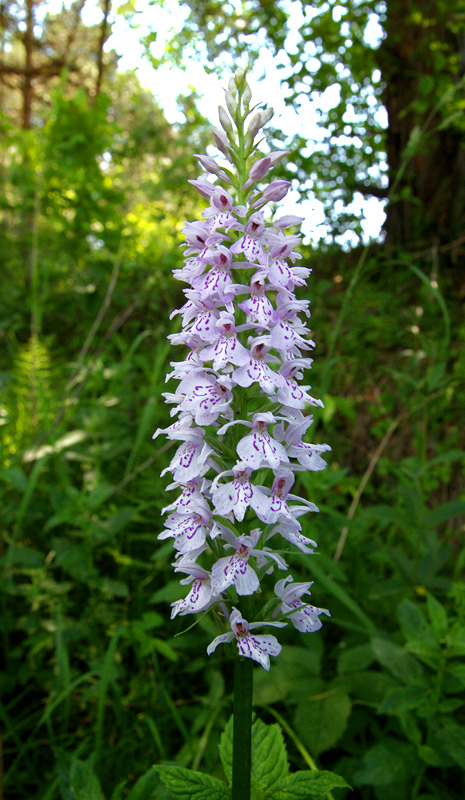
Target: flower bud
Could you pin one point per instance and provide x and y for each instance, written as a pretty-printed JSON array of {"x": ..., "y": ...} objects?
[
  {"x": 247, "y": 95},
  {"x": 254, "y": 126},
  {"x": 231, "y": 103},
  {"x": 206, "y": 189},
  {"x": 225, "y": 121},
  {"x": 239, "y": 78},
  {"x": 267, "y": 113},
  {"x": 222, "y": 143},
  {"x": 277, "y": 156},
  {"x": 257, "y": 171},
  {"x": 272, "y": 193},
  {"x": 210, "y": 165}
]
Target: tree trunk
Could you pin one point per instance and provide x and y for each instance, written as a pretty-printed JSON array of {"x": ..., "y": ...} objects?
[{"x": 427, "y": 181}]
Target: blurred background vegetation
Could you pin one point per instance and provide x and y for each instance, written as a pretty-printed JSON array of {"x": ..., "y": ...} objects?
[{"x": 95, "y": 685}]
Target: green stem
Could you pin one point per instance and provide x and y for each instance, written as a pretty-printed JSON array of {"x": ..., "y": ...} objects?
[{"x": 242, "y": 728}]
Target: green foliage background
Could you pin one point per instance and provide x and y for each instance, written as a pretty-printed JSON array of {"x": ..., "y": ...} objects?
[{"x": 96, "y": 684}]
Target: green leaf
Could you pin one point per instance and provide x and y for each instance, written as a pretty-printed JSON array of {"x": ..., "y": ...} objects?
[
  {"x": 453, "y": 742},
  {"x": 429, "y": 755},
  {"x": 84, "y": 784},
  {"x": 321, "y": 720},
  {"x": 306, "y": 785},
  {"x": 430, "y": 655},
  {"x": 15, "y": 477},
  {"x": 405, "y": 699},
  {"x": 295, "y": 664},
  {"x": 444, "y": 512},
  {"x": 388, "y": 762},
  {"x": 23, "y": 556},
  {"x": 355, "y": 659},
  {"x": 146, "y": 787},
  {"x": 269, "y": 757},
  {"x": 186, "y": 784},
  {"x": 437, "y": 615},
  {"x": 414, "y": 624},
  {"x": 457, "y": 671}
]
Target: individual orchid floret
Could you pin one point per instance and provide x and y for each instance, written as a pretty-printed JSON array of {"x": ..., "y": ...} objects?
[
  {"x": 200, "y": 595},
  {"x": 306, "y": 618},
  {"x": 227, "y": 349},
  {"x": 239, "y": 495},
  {"x": 234, "y": 570},
  {"x": 279, "y": 508},
  {"x": 258, "y": 647},
  {"x": 250, "y": 245},
  {"x": 258, "y": 446},
  {"x": 257, "y": 370},
  {"x": 189, "y": 530},
  {"x": 258, "y": 306},
  {"x": 191, "y": 460}
]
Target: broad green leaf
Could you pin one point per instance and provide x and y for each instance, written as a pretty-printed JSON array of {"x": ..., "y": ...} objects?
[
  {"x": 414, "y": 624},
  {"x": 405, "y": 699},
  {"x": 453, "y": 742},
  {"x": 307, "y": 785},
  {"x": 269, "y": 757},
  {"x": 396, "y": 660},
  {"x": 84, "y": 784},
  {"x": 185, "y": 784},
  {"x": 388, "y": 762},
  {"x": 430, "y": 654},
  {"x": 146, "y": 787},
  {"x": 456, "y": 642},
  {"x": 294, "y": 665},
  {"x": 457, "y": 671},
  {"x": 369, "y": 686},
  {"x": 444, "y": 512},
  {"x": 23, "y": 557},
  {"x": 355, "y": 659},
  {"x": 15, "y": 477},
  {"x": 321, "y": 720},
  {"x": 429, "y": 755},
  {"x": 437, "y": 615},
  {"x": 410, "y": 727}
]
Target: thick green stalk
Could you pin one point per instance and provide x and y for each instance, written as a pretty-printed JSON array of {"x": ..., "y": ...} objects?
[{"x": 242, "y": 729}]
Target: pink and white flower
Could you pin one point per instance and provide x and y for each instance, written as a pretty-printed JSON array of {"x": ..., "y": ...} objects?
[
  {"x": 247, "y": 350},
  {"x": 259, "y": 647}
]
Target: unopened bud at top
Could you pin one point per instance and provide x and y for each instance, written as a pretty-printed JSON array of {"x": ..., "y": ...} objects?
[
  {"x": 232, "y": 86},
  {"x": 239, "y": 78}
]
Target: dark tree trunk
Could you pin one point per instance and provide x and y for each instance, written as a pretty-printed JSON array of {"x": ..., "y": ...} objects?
[
  {"x": 427, "y": 207},
  {"x": 104, "y": 34}
]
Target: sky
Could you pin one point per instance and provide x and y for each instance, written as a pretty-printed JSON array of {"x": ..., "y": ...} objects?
[{"x": 166, "y": 83}]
